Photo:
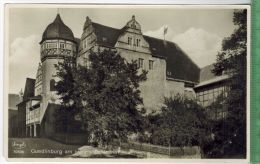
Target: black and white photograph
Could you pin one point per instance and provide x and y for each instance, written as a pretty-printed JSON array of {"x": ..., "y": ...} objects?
[{"x": 127, "y": 81}]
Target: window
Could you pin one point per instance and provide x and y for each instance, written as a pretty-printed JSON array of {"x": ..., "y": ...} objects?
[
  {"x": 52, "y": 85},
  {"x": 62, "y": 45},
  {"x": 104, "y": 39},
  {"x": 129, "y": 41},
  {"x": 150, "y": 64},
  {"x": 138, "y": 42},
  {"x": 140, "y": 63},
  {"x": 133, "y": 25}
]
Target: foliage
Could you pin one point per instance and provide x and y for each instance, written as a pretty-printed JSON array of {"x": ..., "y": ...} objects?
[
  {"x": 182, "y": 122},
  {"x": 106, "y": 95},
  {"x": 230, "y": 132},
  {"x": 66, "y": 89}
]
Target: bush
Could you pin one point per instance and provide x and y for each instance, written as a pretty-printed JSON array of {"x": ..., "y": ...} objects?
[{"x": 181, "y": 122}]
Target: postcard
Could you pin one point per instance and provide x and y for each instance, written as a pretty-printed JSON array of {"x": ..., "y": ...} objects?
[{"x": 135, "y": 82}]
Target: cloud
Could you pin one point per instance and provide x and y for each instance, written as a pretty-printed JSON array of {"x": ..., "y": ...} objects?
[
  {"x": 200, "y": 45},
  {"x": 158, "y": 33},
  {"x": 23, "y": 61}
]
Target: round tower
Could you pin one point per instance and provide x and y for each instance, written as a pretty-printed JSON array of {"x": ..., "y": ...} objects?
[{"x": 57, "y": 42}]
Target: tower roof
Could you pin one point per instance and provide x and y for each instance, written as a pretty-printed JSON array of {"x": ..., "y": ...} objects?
[{"x": 57, "y": 30}]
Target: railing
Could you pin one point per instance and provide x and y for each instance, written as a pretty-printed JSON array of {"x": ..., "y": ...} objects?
[{"x": 187, "y": 152}]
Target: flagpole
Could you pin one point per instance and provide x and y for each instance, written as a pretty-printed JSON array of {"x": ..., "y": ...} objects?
[{"x": 165, "y": 29}]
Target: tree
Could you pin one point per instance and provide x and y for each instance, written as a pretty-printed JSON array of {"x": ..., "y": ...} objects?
[
  {"x": 106, "y": 95},
  {"x": 232, "y": 61},
  {"x": 66, "y": 89},
  {"x": 182, "y": 122}
]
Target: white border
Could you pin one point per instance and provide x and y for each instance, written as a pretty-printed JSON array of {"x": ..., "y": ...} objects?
[
  {"x": 5, "y": 63},
  {"x": 176, "y": 2}
]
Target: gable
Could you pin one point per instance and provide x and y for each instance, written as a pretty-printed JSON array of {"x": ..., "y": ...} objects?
[
  {"x": 133, "y": 41},
  {"x": 178, "y": 64}
]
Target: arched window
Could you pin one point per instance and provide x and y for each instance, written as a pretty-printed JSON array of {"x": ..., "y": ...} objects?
[{"x": 52, "y": 85}]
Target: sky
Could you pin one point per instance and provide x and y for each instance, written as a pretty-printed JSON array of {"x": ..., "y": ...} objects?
[{"x": 198, "y": 32}]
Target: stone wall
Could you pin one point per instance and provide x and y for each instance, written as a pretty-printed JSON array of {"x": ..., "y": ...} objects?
[
  {"x": 173, "y": 88},
  {"x": 49, "y": 71}
]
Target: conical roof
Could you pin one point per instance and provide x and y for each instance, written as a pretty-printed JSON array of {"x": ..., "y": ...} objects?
[{"x": 58, "y": 30}]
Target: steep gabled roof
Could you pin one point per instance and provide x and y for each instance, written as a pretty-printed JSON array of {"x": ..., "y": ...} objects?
[
  {"x": 29, "y": 88},
  {"x": 178, "y": 64},
  {"x": 206, "y": 73},
  {"x": 13, "y": 100},
  {"x": 106, "y": 36}
]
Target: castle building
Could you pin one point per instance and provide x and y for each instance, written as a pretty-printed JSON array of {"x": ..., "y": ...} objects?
[
  {"x": 167, "y": 65},
  {"x": 170, "y": 70}
]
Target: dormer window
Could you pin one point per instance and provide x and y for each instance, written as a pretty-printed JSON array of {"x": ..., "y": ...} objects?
[{"x": 129, "y": 41}]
